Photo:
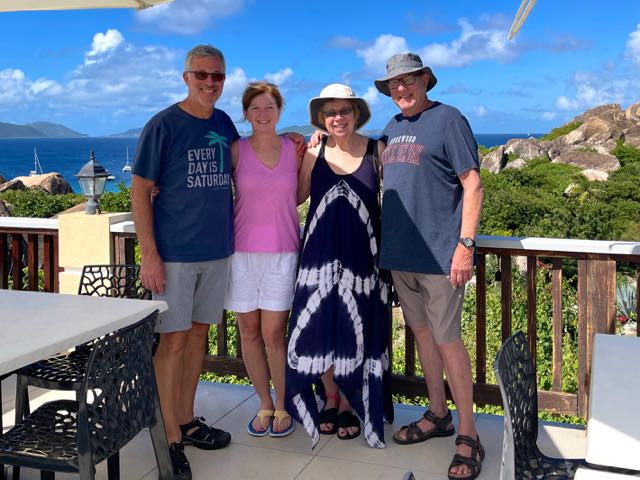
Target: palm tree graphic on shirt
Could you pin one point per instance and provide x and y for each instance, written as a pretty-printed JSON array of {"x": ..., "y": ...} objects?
[{"x": 221, "y": 141}]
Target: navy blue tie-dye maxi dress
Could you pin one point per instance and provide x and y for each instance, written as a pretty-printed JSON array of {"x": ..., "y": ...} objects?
[{"x": 339, "y": 314}]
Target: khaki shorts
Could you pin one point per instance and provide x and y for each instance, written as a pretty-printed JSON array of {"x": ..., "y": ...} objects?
[
  {"x": 194, "y": 292},
  {"x": 430, "y": 301}
]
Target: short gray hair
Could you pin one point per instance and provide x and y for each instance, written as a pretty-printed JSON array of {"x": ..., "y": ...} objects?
[{"x": 203, "y": 51}]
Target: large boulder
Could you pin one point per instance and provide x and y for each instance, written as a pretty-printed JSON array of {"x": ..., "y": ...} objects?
[
  {"x": 53, "y": 183},
  {"x": 603, "y": 128},
  {"x": 589, "y": 160},
  {"x": 595, "y": 175},
  {"x": 495, "y": 160},
  {"x": 611, "y": 109},
  {"x": 516, "y": 164},
  {"x": 633, "y": 112},
  {"x": 525, "y": 149},
  {"x": 14, "y": 184},
  {"x": 632, "y": 136}
]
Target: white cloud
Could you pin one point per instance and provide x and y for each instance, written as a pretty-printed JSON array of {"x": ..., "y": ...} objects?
[
  {"x": 187, "y": 17},
  {"x": 564, "y": 103},
  {"x": 105, "y": 42},
  {"x": 279, "y": 77},
  {"x": 633, "y": 45},
  {"x": 17, "y": 89},
  {"x": 474, "y": 43},
  {"x": 372, "y": 96},
  {"x": 480, "y": 111},
  {"x": 549, "y": 115},
  {"x": 385, "y": 46}
]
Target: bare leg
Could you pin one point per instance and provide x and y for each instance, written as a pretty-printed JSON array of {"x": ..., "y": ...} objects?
[
  {"x": 253, "y": 354},
  {"x": 273, "y": 326},
  {"x": 458, "y": 367},
  {"x": 333, "y": 396},
  {"x": 432, "y": 366},
  {"x": 193, "y": 358},
  {"x": 168, "y": 363}
]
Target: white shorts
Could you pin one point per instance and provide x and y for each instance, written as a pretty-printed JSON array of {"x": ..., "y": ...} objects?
[{"x": 261, "y": 281}]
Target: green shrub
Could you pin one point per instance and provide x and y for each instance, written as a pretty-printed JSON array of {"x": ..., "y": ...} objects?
[
  {"x": 626, "y": 154},
  {"x": 38, "y": 203},
  {"x": 119, "y": 201},
  {"x": 558, "y": 132},
  {"x": 484, "y": 150}
]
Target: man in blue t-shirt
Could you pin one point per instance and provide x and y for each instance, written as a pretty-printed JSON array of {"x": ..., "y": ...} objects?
[
  {"x": 430, "y": 214},
  {"x": 185, "y": 237}
]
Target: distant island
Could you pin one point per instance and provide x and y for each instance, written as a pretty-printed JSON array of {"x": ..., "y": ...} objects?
[
  {"x": 55, "y": 130},
  {"x": 38, "y": 130}
]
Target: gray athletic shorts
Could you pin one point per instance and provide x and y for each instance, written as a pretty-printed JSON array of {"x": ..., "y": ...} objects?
[
  {"x": 430, "y": 300},
  {"x": 194, "y": 292}
]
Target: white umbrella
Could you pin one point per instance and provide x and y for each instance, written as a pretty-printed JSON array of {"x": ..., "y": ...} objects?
[
  {"x": 18, "y": 5},
  {"x": 521, "y": 16}
]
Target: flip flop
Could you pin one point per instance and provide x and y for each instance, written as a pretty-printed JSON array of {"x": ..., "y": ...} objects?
[
  {"x": 281, "y": 415},
  {"x": 262, "y": 414}
]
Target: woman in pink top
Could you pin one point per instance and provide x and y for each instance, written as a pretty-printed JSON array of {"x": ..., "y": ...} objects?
[{"x": 263, "y": 267}]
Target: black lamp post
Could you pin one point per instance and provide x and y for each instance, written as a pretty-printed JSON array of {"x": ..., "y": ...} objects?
[{"x": 92, "y": 178}]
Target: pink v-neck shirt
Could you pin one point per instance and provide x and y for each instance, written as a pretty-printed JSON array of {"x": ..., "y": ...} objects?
[{"x": 265, "y": 214}]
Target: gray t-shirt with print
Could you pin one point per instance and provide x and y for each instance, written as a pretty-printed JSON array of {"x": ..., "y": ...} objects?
[{"x": 422, "y": 202}]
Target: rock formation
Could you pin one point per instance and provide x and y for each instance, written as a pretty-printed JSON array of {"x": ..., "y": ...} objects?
[
  {"x": 587, "y": 146},
  {"x": 14, "y": 184},
  {"x": 53, "y": 183}
]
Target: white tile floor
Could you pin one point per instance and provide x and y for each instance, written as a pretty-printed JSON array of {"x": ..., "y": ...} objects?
[{"x": 230, "y": 407}]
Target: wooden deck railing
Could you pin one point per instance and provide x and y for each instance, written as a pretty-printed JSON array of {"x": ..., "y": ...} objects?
[
  {"x": 596, "y": 264},
  {"x": 28, "y": 252}
]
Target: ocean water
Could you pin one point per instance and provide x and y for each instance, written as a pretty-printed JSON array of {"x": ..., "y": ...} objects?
[{"x": 67, "y": 155}]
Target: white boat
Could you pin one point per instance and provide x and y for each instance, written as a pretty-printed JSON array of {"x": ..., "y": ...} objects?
[
  {"x": 37, "y": 168},
  {"x": 127, "y": 166}
]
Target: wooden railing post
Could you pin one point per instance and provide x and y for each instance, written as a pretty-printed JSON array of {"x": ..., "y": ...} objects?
[{"x": 597, "y": 314}]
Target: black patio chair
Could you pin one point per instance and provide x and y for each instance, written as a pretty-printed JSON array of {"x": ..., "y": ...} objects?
[
  {"x": 521, "y": 457},
  {"x": 117, "y": 399},
  {"x": 66, "y": 371}
]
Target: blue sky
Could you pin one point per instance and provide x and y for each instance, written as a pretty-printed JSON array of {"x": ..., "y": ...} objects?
[{"x": 105, "y": 71}]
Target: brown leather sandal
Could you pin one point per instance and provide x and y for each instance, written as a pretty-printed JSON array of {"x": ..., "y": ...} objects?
[
  {"x": 416, "y": 435},
  {"x": 475, "y": 465}
]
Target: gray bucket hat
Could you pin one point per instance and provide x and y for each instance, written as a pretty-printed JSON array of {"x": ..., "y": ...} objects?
[
  {"x": 337, "y": 91},
  {"x": 401, "y": 64}
]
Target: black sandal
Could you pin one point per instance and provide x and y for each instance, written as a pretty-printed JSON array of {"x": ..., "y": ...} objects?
[
  {"x": 416, "y": 435},
  {"x": 475, "y": 465},
  {"x": 347, "y": 419},
  {"x": 330, "y": 415},
  {"x": 204, "y": 436}
]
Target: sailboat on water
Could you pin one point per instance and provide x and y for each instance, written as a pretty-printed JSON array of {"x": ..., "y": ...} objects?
[
  {"x": 37, "y": 168},
  {"x": 127, "y": 166}
]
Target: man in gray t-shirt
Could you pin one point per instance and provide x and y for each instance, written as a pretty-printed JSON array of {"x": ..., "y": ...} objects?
[{"x": 430, "y": 214}]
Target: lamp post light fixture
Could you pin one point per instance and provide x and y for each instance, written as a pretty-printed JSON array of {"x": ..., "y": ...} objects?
[{"x": 92, "y": 178}]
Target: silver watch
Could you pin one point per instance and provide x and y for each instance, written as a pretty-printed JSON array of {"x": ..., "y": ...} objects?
[{"x": 467, "y": 242}]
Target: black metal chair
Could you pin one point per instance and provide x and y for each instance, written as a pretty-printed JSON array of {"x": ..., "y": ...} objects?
[
  {"x": 117, "y": 399},
  {"x": 66, "y": 371},
  {"x": 521, "y": 457}
]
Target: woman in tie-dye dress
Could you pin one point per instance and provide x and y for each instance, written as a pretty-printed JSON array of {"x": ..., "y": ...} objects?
[{"x": 339, "y": 326}]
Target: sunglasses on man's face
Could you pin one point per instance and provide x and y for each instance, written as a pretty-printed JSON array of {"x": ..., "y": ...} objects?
[
  {"x": 202, "y": 75},
  {"x": 333, "y": 113},
  {"x": 406, "y": 80}
]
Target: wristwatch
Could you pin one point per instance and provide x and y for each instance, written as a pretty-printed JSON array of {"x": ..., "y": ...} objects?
[{"x": 467, "y": 242}]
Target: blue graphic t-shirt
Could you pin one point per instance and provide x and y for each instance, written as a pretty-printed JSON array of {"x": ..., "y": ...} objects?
[
  {"x": 422, "y": 202},
  {"x": 189, "y": 158}
]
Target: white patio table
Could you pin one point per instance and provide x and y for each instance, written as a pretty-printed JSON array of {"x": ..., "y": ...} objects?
[
  {"x": 613, "y": 427},
  {"x": 587, "y": 474},
  {"x": 36, "y": 325}
]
